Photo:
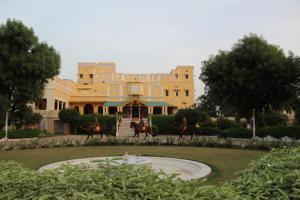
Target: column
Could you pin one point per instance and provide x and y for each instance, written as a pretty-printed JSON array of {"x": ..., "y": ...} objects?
[
  {"x": 139, "y": 111},
  {"x": 80, "y": 109},
  {"x": 130, "y": 112},
  {"x": 95, "y": 108}
]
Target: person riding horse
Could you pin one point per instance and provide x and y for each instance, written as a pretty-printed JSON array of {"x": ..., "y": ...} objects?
[
  {"x": 141, "y": 128},
  {"x": 142, "y": 124},
  {"x": 94, "y": 128},
  {"x": 183, "y": 127}
]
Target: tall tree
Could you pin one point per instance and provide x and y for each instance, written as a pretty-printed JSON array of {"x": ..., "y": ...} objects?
[
  {"x": 253, "y": 75},
  {"x": 25, "y": 66}
]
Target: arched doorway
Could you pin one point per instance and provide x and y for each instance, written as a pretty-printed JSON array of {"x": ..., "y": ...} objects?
[
  {"x": 76, "y": 108},
  {"x": 88, "y": 109},
  {"x": 100, "y": 110},
  {"x": 135, "y": 109}
]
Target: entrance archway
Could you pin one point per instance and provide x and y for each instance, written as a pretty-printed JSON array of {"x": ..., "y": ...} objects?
[
  {"x": 135, "y": 109},
  {"x": 88, "y": 109}
]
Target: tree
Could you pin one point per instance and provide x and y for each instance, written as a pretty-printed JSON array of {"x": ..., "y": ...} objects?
[
  {"x": 24, "y": 116},
  {"x": 253, "y": 75},
  {"x": 25, "y": 66}
]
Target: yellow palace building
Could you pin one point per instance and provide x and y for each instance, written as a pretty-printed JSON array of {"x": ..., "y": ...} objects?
[{"x": 100, "y": 89}]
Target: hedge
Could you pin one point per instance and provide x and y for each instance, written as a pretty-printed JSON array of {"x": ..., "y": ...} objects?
[
  {"x": 165, "y": 124},
  {"x": 238, "y": 133},
  {"x": 22, "y": 133},
  {"x": 276, "y": 132},
  {"x": 280, "y": 131},
  {"x": 210, "y": 131},
  {"x": 109, "y": 121}
]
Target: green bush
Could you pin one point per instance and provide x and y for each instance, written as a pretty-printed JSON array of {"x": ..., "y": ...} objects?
[
  {"x": 274, "y": 176},
  {"x": 226, "y": 124},
  {"x": 107, "y": 121},
  {"x": 274, "y": 119},
  {"x": 210, "y": 131},
  {"x": 238, "y": 133},
  {"x": 208, "y": 123},
  {"x": 165, "y": 124},
  {"x": 70, "y": 116},
  {"x": 21, "y": 133},
  {"x": 192, "y": 116},
  {"x": 279, "y": 132}
]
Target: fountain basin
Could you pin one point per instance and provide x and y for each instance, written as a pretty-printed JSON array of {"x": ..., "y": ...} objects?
[{"x": 186, "y": 169}]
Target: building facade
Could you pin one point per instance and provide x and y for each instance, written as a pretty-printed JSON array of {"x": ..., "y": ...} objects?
[{"x": 100, "y": 89}]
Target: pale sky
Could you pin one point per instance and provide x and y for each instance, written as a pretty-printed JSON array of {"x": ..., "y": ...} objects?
[{"x": 153, "y": 36}]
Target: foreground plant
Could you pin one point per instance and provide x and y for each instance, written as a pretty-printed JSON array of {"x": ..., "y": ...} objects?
[{"x": 274, "y": 176}]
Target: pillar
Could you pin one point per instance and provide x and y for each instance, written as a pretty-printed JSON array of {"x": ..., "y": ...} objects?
[
  {"x": 95, "y": 108},
  {"x": 139, "y": 111},
  {"x": 80, "y": 109},
  {"x": 130, "y": 111}
]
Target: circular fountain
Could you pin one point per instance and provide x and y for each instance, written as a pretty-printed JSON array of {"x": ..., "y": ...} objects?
[{"x": 186, "y": 169}]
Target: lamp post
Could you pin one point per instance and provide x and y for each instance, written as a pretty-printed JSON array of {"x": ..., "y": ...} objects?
[{"x": 253, "y": 122}]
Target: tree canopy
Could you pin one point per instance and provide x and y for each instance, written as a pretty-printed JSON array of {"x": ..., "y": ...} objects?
[
  {"x": 252, "y": 75},
  {"x": 25, "y": 65}
]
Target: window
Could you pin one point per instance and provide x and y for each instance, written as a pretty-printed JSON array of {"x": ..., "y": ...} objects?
[
  {"x": 166, "y": 93},
  {"x": 81, "y": 75},
  {"x": 176, "y": 76},
  {"x": 56, "y": 105},
  {"x": 91, "y": 75},
  {"x": 85, "y": 83},
  {"x": 186, "y": 76},
  {"x": 42, "y": 105},
  {"x": 176, "y": 93},
  {"x": 186, "y": 93}
]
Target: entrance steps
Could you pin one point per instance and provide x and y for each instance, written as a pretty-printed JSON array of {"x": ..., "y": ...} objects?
[{"x": 124, "y": 126}]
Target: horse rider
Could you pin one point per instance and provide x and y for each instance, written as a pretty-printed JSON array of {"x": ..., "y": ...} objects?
[
  {"x": 184, "y": 123},
  {"x": 142, "y": 124},
  {"x": 97, "y": 125}
]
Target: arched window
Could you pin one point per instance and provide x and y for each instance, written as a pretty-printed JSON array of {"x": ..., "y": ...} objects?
[
  {"x": 100, "y": 110},
  {"x": 76, "y": 108},
  {"x": 88, "y": 109}
]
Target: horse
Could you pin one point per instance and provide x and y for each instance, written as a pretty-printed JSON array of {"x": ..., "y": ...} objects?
[
  {"x": 139, "y": 128},
  {"x": 94, "y": 128},
  {"x": 185, "y": 129}
]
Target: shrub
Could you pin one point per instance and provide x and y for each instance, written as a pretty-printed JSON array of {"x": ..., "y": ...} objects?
[
  {"x": 274, "y": 176},
  {"x": 279, "y": 132},
  {"x": 274, "y": 119},
  {"x": 208, "y": 131},
  {"x": 209, "y": 123},
  {"x": 109, "y": 122},
  {"x": 226, "y": 123},
  {"x": 21, "y": 133},
  {"x": 192, "y": 116},
  {"x": 70, "y": 116},
  {"x": 164, "y": 124},
  {"x": 238, "y": 133}
]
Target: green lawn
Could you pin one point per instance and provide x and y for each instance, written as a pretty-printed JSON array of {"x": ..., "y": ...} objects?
[{"x": 224, "y": 162}]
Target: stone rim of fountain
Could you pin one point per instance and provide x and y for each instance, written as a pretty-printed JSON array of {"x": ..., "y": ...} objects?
[{"x": 187, "y": 169}]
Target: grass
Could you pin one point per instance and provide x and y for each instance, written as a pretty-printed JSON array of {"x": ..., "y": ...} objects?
[{"x": 224, "y": 162}]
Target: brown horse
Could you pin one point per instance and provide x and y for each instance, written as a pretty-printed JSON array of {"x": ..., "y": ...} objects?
[
  {"x": 94, "y": 128},
  {"x": 139, "y": 128},
  {"x": 185, "y": 128}
]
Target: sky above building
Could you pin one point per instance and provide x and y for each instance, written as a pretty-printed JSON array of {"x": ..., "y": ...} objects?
[{"x": 153, "y": 36}]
